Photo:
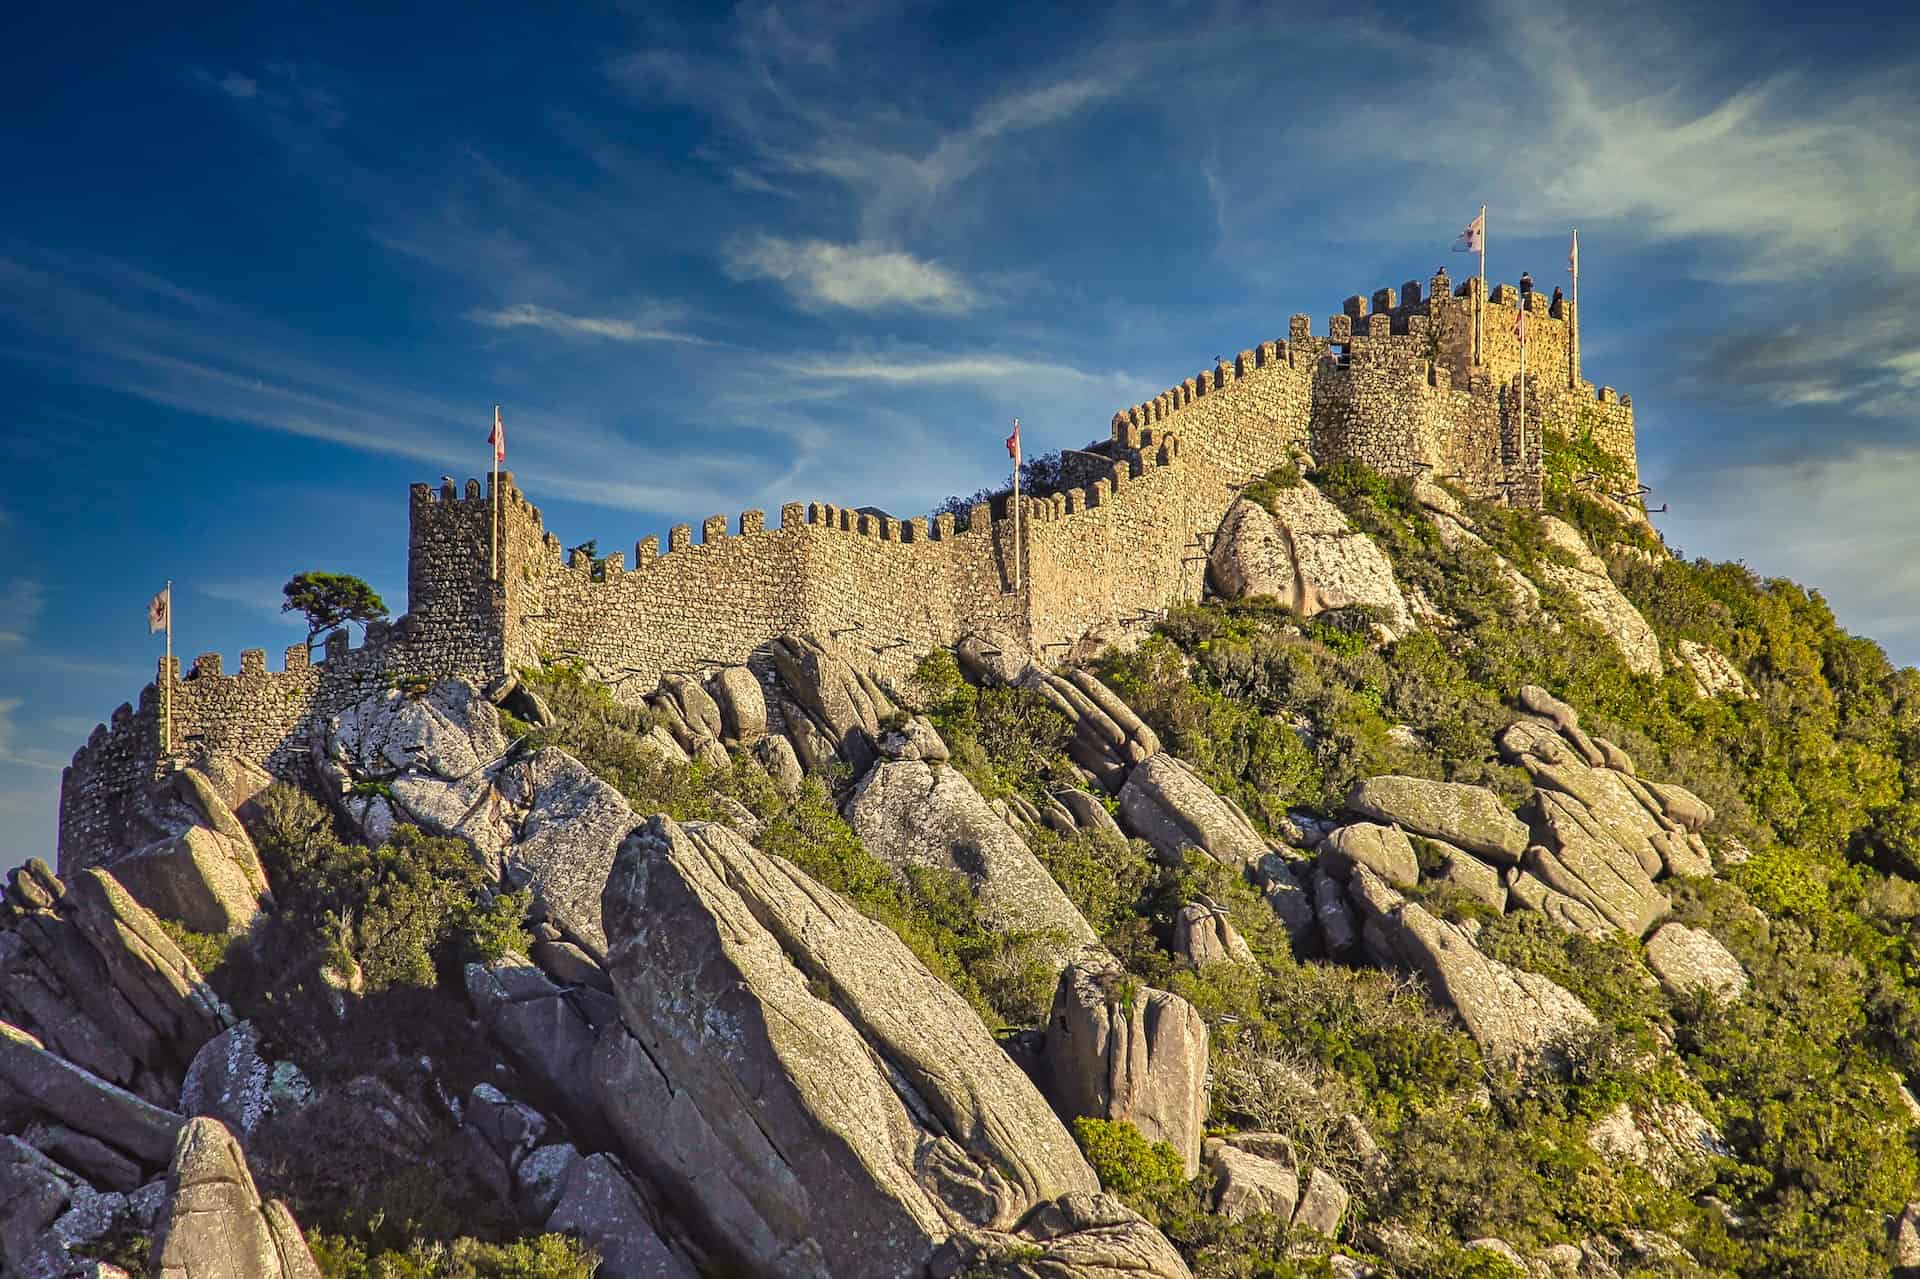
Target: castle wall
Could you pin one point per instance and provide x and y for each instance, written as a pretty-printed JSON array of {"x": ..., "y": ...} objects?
[
  {"x": 896, "y": 588},
  {"x": 1392, "y": 384},
  {"x": 263, "y": 715},
  {"x": 1108, "y": 558}
]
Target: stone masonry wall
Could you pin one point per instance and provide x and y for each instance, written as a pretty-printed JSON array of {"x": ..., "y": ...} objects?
[{"x": 1392, "y": 384}]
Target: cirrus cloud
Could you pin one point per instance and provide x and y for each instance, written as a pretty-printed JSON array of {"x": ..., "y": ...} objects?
[{"x": 859, "y": 277}]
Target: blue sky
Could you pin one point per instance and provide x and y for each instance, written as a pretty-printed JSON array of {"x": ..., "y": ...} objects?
[{"x": 261, "y": 268}]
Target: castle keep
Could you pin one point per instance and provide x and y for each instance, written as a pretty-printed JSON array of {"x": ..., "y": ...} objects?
[{"x": 1391, "y": 382}]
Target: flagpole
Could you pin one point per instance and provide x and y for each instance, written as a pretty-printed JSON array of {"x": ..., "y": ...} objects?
[
  {"x": 493, "y": 446},
  {"x": 1016, "y": 504},
  {"x": 1573, "y": 265},
  {"x": 1480, "y": 308},
  {"x": 166, "y": 700}
]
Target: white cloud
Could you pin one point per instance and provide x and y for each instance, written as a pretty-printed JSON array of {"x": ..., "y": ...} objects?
[
  {"x": 935, "y": 370},
  {"x": 285, "y": 93},
  {"x": 856, "y": 276},
  {"x": 1840, "y": 523},
  {"x": 10, "y": 750},
  {"x": 21, "y": 603},
  {"x": 612, "y": 328}
]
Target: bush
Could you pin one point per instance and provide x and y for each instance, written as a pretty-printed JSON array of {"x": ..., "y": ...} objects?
[
  {"x": 540, "y": 1257},
  {"x": 1126, "y": 1162}
]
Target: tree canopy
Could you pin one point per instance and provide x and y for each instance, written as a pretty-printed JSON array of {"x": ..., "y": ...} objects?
[{"x": 330, "y": 601}]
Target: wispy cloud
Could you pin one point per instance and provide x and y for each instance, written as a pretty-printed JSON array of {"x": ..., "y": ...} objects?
[
  {"x": 857, "y": 276},
  {"x": 559, "y": 323},
  {"x": 286, "y": 93},
  {"x": 984, "y": 370},
  {"x": 261, "y": 597},
  {"x": 22, "y": 600},
  {"x": 11, "y": 752}
]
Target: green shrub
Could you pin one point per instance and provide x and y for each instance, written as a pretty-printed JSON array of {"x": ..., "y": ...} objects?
[
  {"x": 205, "y": 951},
  {"x": 1126, "y": 1162},
  {"x": 540, "y": 1257}
]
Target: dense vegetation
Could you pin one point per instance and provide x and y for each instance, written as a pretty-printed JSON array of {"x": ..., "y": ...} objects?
[
  {"x": 1815, "y": 779},
  {"x": 354, "y": 976},
  {"x": 1815, "y": 775}
]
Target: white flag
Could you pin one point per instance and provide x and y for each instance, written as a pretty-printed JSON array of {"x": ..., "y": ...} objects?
[
  {"x": 1573, "y": 257},
  {"x": 158, "y": 610},
  {"x": 1474, "y": 236}
]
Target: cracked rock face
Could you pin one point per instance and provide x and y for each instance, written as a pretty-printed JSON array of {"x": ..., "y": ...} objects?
[
  {"x": 1306, "y": 555},
  {"x": 88, "y": 972},
  {"x": 912, "y": 813},
  {"x": 787, "y": 1061},
  {"x": 1469, "y": 817},
  {"x": 1116, "y": 1049},
  {"x": 214, "y": 1225},
  {"x": 1511, "y": 1013},
  {"x": 427, "y": 761},
  {"x": 1587, "y": 581}
]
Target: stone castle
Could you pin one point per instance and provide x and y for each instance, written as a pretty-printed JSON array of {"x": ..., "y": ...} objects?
[{"x": 1392, "y": 383}]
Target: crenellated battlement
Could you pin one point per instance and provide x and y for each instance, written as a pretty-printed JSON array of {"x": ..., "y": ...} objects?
[{"x": 1393, "y": 380}]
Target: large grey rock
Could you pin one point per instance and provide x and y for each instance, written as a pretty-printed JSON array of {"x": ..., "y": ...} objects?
[
  {"x": 742, "y": 704},
  {"x": 573, "y": 824},
  {"x": 911, "y": 813},
  {"x": 1304, "y": 554},
  {"x": 92, "y": 1158},
  {"x": 1322, "y": 1204},
  {"x": 181, "y": 852},
  {"x": 1609, "y": 806},
  {"x": 1116, "y": 1049},
  {"x": 1906, "y": 1240},
  {"x": 1590, "y": 866},
  {"x": 1472, "y": 876},
  {"x": 85, "y": 1102},
  {"x": 1337, "y": 927},
  {"x": 427, "y": 761},
  {"x": 1664, "y": 1137},
  {"x": 34, "y": 1192},
  {"x": 1089, "y": 814},
  {"x": 1599, "y": 599},
  {"x": 1469, "y": 817},
  {"x": 992, "y": 657},
  {"x": 1203, "y": 935},
  {"x": 1165, "y": 803},
  {"x": 1245, "y": 1183},
  {"x": 230, "y": 1081},
  {"x": 812, "y": 1100},
  {"x": 1713, "y": 672},
  {"x": 545, "y": 1034},
  {"x": 1681, "y": 805},
  {"x": 1078, "y": 1236},
  {"x": 599, "y": 1206},
  {"x": 1528, "y": 891},
  {"x": 1108, "y": 737},
  {"x": 214, "y": 1225},
  {"x": 92, "y": 975},
  {"x": 1514, "y": 1015},
  {"x": 1689, "y": 959},
  {"x": 1384, "y": 850},
  {"x": 509, "y": 1129},
  {"x": 697, "y": 708},
  {"x": 842, "y": 700}
]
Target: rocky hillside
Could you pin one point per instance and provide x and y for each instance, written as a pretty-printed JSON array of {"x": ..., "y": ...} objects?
[{"x": 1461, "y": 892}]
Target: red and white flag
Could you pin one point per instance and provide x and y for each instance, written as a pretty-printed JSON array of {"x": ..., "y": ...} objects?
[
  {"x": 498, "y": 438},
  {"x": 1573, "y": 257},
  {"x": 1013, "y": 442},
  {"x": 159, "y": 611},
  {"x": 1520, "y": 322},
  {"x": 1474, "y": 238}
]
